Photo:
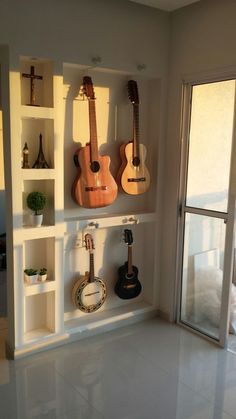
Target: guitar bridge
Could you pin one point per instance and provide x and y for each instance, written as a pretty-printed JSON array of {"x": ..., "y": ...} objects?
[
  {"x": 95, "y": 188},
  {"x": 139, "y": 179}
]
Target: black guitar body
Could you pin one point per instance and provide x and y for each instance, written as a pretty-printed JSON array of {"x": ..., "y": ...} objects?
[{"x": 127, "y": 286}]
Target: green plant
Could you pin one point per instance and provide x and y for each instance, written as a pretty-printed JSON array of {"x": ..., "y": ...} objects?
[
  {"x": 42, "y": 271},
  {"x": 36, "y": 201},
  {"x": 30, "y": 272}
]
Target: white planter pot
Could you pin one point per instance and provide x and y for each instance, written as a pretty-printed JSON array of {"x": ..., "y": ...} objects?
[
  {"x": 42, "y": 278},
  {"x": 31, "y": 279},
  {"x": 36, "y": 220}
]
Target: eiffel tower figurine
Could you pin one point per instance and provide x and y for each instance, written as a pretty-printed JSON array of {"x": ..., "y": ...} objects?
[{"x": 40, "y": 162}]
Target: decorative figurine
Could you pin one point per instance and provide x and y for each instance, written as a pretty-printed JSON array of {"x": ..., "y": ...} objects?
[
  {"x": 32, "y": 76},
  {"x": 25, "y": 164},
  {"x": 40, "y": 162}
]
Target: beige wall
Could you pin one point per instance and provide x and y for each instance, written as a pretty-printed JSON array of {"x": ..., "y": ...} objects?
[{"x": 203, "y": 40}]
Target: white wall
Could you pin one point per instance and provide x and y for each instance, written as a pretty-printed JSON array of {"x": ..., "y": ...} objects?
[
  {"x": 203, "y": 39},
  {"x": 124, "y": 34}
]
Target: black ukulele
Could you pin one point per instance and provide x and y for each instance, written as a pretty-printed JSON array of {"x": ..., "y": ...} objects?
[{"x": 128, "y": 285}]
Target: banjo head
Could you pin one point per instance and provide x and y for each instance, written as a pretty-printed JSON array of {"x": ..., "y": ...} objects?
[{"x": 89, "y": 296}]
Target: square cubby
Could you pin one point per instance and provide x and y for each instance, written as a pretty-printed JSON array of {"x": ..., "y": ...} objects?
[
  {"x": 46, "y": 188},
  {"x": 36, "y": 82},
  {"x": 40, "y": 254},
  {"x": 39, "y": 318},
  {"x": 37, "y": 139}
]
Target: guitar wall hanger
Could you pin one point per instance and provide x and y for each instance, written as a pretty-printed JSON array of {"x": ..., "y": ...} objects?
[
  {"x": 131, "y": 220},
  {"x": 141, "y": 67},
  {"x": 96, "y": 59},
  {"x": 93, "y": 224}
]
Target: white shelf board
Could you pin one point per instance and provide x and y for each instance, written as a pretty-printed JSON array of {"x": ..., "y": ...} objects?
[
  {"x": 106, "y": 318},
  {"x": 39, "y": 288},
  {"x": 29, "y": 233},
  {"x": 73, "y": 225},
  {"x": 38, "y": 112},
  {"x": 37, "y": 334},
  {"x": 38, "y": 174}
]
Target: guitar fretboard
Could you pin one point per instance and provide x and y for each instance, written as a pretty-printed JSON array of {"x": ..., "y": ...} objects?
[
  {"x": 135, "y": 130},
  {"x": 93, "y": 130},
  {"x": 130, "y": 262}
]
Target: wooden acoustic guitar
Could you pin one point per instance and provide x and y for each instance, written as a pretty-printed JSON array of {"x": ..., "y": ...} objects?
[
  {"x": 94, "y": 185},
  {"x": 133, "y": 176},
  {"x": 128, "y": 285},
  {"x": 89, "y": 292}
]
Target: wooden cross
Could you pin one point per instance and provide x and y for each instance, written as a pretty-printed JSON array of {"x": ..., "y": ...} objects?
[{"x": 32, "y": 76}]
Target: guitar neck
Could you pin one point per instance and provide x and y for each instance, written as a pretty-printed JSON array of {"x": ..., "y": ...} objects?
[
  {"x": 93, "y": 131},
  {"x": 91, "y": 267},
  {"x": 130, "y": 263},
  {"x": 135, "y": 130}
]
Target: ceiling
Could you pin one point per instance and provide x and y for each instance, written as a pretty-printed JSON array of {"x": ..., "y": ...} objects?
[{"x": 168, "y": 5}]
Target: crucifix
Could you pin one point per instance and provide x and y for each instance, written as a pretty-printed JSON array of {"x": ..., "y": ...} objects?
[{"x": 32, "y": 76}]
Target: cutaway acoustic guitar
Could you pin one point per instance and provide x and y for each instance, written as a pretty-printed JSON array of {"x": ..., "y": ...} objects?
[
  {"x": 128, "y": 285},
  {"x": 94, "y": 185},
  {"x": 133, "y": 176},
  {"x": 89, "y": 292}
]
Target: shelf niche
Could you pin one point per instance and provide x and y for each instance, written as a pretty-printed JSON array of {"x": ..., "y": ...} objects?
[
  {"x": 39, "y": 316},
  {"x": 43, "y": 88},
  {"x": 47, "y": 188},
  {"x": 40, "y": 253},
  {"x": 114, "y": 117},
  {"x": 110, "y": 253},
  {"x": 31, "y": 129}
]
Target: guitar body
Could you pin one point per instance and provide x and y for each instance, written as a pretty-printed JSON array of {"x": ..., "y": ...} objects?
[
  {"x": 127, "y": 286},
  {"x": 122, "y": 166},
  {"x": 134, "y": 180},
  {"x": 93, "y": 189}
]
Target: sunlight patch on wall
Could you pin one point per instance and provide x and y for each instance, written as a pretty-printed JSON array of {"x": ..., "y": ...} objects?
[{"x": 81, "y": 117}]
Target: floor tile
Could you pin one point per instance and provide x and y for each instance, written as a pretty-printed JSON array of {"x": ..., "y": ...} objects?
[{"x": 151, "y": 370}]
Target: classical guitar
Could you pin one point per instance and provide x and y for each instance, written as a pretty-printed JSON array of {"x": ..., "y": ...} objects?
[
  {"x": 128, "y": 285},
  {"x": 89, "y": 292},
  {"x": 94, "y": 185},
  {"x": 133, "y": 176}
]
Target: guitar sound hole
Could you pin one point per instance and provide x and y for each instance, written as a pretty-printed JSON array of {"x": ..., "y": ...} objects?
[
  {"x": 95, "y": 166},
  {"x": 136, "y": 161},
  {"x": 76, "y": 160},
  {"x": 129, "y": 276}
]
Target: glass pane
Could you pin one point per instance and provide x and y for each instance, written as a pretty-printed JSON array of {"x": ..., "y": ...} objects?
[
  {"x": 210, "y": 145},
  {"x": 202, "y": 273}
]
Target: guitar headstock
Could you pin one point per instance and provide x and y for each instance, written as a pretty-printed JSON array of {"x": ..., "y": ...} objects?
[
  {"x": 89, "y": 243},
  {"x": 128, "y": 237},
  {"x": 88, "y": 87},
  {"x": 133, "y": 92}
]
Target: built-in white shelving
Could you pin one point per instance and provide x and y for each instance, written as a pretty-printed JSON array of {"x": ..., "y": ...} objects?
[{"x": 44, "y": 314}]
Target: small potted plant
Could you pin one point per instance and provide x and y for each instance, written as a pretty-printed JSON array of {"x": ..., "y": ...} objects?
[
  {"x": 42, "y": 274},
  {"x": 31, "y": 276},
  {"x": 36, "y": 202}
]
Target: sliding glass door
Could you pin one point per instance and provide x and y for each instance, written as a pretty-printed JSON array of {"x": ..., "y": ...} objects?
[{"x": 207, "y": 208}]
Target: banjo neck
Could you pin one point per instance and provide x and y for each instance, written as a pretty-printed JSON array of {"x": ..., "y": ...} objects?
[{"x": 91, "y": 267}]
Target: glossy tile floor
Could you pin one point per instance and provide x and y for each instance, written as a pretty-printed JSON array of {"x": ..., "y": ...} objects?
[{"x": 151, "y": 370}]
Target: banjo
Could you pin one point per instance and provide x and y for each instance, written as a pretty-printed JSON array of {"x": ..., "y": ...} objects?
[{"x": 89, "y": 292}]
